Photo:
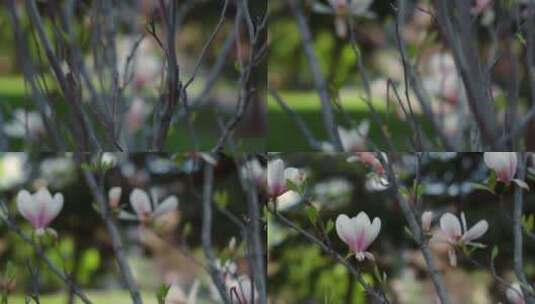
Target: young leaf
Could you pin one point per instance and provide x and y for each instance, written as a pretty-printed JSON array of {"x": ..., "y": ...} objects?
[
  {"x": 312, "y": 214},
  {"x": 329, "y": 226},
  {"x": 494, "y": 253},
  {"x": 221, "y": 199}
]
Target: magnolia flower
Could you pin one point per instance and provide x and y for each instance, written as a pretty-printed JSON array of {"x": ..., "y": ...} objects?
[
  {"x": 25, "y": 123},
  {"x": 239, "y": 288},
  {"x": 40, "y": 209},
  {"x": 176, "y": 295},
  {"x": 136, "y": 114},
  {"x": 344, "y": 8},
  {"x": 504, "y": 163},
  {"x": 427, "y": 218},
  {"x": 278, "y": 175},
  {"x": 114, "y": 196},
  {"x": 456, "y": 233},
  {"x": 144, "y": 209},
  {"x": 354, "y": 139},
  {"x": 443, "y": 80},
  {"x": 370, "y": 159},
  {"x": 514, "y": 294},
  {"x": 358, "y": 233},
  {"x": 254, "y": 170}
]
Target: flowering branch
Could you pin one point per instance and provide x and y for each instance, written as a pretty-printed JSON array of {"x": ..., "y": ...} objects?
[
  {"x": 6, "y": 218},
  {"x": 115, "y": 236},
  {"x": 417, "y": 234}
]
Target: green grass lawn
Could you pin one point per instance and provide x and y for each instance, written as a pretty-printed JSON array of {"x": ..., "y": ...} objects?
[
  {"x": 12, "y": 95},
  {"x": 283, "y": 134}
]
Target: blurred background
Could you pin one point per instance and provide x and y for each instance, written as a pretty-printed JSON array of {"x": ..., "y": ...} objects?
[
  {"x": 212, "y": 95},
  {"x": 169, "y": 253},
  {"x": 300, "y": 272},
  {"x": 377, "y": 49}
]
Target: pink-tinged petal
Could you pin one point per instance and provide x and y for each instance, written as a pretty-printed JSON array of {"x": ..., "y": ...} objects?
[
  {"x": 504, "y": 163},
  {"x": 114, "y": 196},
  {"x": 43, "y": 200},
  {"x": 361, "y": 224},
  {"x": 168, "y": 205},
  {"x": 451, "y": 226},
  {"x": 345, "y": 230},
  {"x": 514, "y": 294},
  {"x": 427, "y": 219},
  {"x": 476, "y": 231},
  {"x": 372, "y": 232},
  {"x": 275, "y": 177},
  {"x": 140, "y": 202},
  {"x": 26, "y": 206}
]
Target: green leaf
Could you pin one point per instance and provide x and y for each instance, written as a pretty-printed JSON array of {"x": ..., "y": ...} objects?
[
  {"x": 491, "y": 183},
  {"x": 292, "y": 186},
  {"x": 329, "y": 226},
  {"x": 312, "y": 214},
  {"x": 521, "y": 38},
  {"x": 494, "y": 253},
  {"x": 221, "y": 199},
  {"x": 528, "y": 222},
  {"x": 162, "y": 293},
  {"x": 187, "y": 230}
]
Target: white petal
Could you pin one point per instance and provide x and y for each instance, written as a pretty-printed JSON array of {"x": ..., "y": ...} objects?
[
  {"x": 294, "y": 175},
  {"x": 140, "y": 202},
  {"x": 168, "y": 205},
  {"x": 345, "y": 229},
  {"x": 25, "y": 205},
  {"x": 476, "y": 231},
  {"x": 451, "y": 226},
  {"x": 55, "y": 207},
  {"x": 373, "y": 231}
]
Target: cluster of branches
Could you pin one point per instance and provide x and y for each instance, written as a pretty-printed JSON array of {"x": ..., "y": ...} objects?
[
  {"x": 460, "y": 33},
  {"x": 251, "y": 226},
  {"x": 96, "y": 122}
]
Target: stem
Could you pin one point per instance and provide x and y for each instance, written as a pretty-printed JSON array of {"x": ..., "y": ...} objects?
[{"x": 518, "y": 260}]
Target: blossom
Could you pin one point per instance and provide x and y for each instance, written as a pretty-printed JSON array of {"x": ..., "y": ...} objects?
[
  {"x": 136, "y": 114},
  {"x": 25, "y": 123},
  {"x": 370, "y": 159},
  {"x": 504, "y": 163},
  {"x": 456, "y": 233},
  {"x": 175, "y": 295},
  {"x": 358, "y": 233},
  {"x": 278, "y": 176},
  {"x": 354, "y": 139},
  {"x": 239, "y": 288},
  {"x": 40, "y": 209},
  {"x": 514, "y": 294},
  {"x": 114, "y": 196},
  {"x": 427, "y": 218},
  {"x": 144, "y": 209},
  {"x": 343, "y": 8},
  {"x": 254, "y": 170},
  {"x": 443, "y": 80}
]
